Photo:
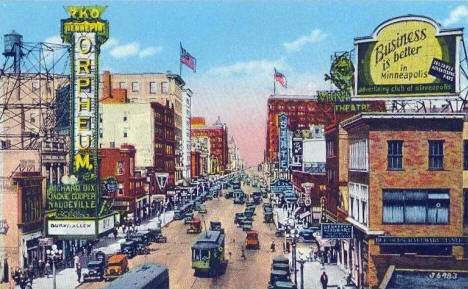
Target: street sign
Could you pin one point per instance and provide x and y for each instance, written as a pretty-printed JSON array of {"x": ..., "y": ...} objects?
[{"x": 336, "y": 231}]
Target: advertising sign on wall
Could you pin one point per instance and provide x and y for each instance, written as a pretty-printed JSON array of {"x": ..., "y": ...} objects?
[
  {"x": 283, "y": 142},
  {"x": 336, "y": 231},
  {"x": 406, "y": 57}
]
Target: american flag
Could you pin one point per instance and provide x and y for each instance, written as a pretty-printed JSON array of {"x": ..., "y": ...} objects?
[
  {"x": 187, "y": 59},
  {"x": 279, "y": 77}
]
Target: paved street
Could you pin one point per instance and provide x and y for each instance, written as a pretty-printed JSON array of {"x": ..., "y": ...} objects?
[{"x": 176, "y": 254}]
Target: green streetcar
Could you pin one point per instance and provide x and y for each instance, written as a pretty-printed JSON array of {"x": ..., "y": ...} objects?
[{"x": 208, "y": 254}]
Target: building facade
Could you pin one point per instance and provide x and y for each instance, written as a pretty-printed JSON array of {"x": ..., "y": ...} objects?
[
  {"x": 144, "y": 88},
  {"x": 405, "y": 198},
  {"x": 186, "y": 139},
  {"x": 128, "y": 194},
  {"x": 218, "y": 135}
]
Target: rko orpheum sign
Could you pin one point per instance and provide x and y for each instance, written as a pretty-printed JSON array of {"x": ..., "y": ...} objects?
[{"x": 79, "y": 200}]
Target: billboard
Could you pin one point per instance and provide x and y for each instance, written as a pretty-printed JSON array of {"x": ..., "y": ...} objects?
[
  {"x": 283, "y": 142},
  {"x": 409, "y": 56}
]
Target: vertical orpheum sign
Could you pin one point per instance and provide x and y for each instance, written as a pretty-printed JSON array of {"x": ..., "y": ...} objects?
[
  {"x": 283, "y": 142},
  {"x": 79, "y": 198}
]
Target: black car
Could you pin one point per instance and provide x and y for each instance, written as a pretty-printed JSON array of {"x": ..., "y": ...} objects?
[
  {"x": 129, "y": 248},
  {"x": 95, "y": 271},
  {"x": 237, "y": 217}
]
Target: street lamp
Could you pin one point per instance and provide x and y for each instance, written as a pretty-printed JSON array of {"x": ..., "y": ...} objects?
[
  {"x": 294, "y": 234},
  {"x": 301, "y": 261},
  {"x": 54, "y": 255}
]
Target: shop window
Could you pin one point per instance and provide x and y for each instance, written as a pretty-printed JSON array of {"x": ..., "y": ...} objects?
[
  {"x": 395, "y": 155},
  {"x": 416, "y": 207},
  {"x": 135, "y": 86},
  {"x": 436, "y": 154}
]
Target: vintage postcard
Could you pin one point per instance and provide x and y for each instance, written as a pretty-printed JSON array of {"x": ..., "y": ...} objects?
[{"x": 233, "y": 144}]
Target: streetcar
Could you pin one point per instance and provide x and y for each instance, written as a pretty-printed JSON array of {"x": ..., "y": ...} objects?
[
  {"x": 147, "y": 276},
  {"x": 208, "y": 254}
]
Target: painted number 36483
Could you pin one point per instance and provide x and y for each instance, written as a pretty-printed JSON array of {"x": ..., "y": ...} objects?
[{"x": 443, "y": 276}]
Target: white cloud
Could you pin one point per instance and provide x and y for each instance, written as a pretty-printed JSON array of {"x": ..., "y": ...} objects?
[
  {"x": 456, "y": 15},
  {"x": 315, "y": 36},
  {"x": 125, "y": 50},
  {"x": 150, "y": 51},
  {"x": 111, "y": 42},
  {"x": 56, "y": 39},
  {"x": 249, "y": 68}
]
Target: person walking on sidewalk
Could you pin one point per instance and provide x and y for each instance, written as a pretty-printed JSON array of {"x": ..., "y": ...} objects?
[
  {"x": 78, "y": 272},
  {"x": 324, "y": 280}
]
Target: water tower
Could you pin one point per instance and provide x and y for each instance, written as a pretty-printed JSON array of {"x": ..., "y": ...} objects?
[{"x": 13, "y": 44}]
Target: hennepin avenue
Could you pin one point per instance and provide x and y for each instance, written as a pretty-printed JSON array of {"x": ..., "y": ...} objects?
[{"x": 233, "y": 144}]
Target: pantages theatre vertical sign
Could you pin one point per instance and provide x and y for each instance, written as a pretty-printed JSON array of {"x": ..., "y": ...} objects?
[{"x": 78, "y": 211}]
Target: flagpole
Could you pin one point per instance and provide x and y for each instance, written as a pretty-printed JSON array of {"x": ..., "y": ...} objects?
[
  {"x": 180, "y": 62},
  {"x": 274, "y": 81}
]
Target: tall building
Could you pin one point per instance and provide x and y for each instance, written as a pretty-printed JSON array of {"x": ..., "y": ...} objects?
[
  {"x": 217, "y": 133},
  {"x": 405, "y": 200},
  {"x": 154, "y": 87},
  {"x": 186, "y": 128},
  {"x": 235, "y": 162},
  {"x": 201, "y": 152}
]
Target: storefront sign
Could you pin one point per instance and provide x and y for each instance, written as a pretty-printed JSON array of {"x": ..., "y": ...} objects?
[
  {"x": 336, "y": 231},
  {"x": 71, "y": 227},
  {"x": 161, "y": 179},
  {"x": 388, "y": 240},
  {"x": 283, "y": 142},
  {"x": 406, "y": 57},
  {"x": 3, "y": 227},
  {"x": 105, "y": 224},
  {"x": 280, "y": 186}
]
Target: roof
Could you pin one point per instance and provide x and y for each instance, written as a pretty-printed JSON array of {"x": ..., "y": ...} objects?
[
  {"x": 117, "y": 258},
  {"x": 252, "y": 232},
  {"x": 143, "y": 276},
  {"x": 386, "y": 115}
]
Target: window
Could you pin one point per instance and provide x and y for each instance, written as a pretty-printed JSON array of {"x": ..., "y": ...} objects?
[
  {"x": 100, "y": 118},
  {"x": 358, "y": 198},
  {"x": 358, "y": 155},
  {"x": 125, "y": 116},
  {"x": 395, "y": 155},
  {"x": 165, "y": 87},
  {"x": 125, "y": 134},
  {"x": 415, "y": 207},
  {"x": 112, "y": 144},
  {"x": 135, "y": 86},
  {"x": 35, "y": 85},
  {"x": 119, "y": 167},
  {"x": 152, "y": 87},
  {"x": 465, "y": 155},
  {"x": 330, "y": 148},
  {"x": 122, "y": 85},
  {"x": 436, "y": 154},
  {"x": 100, "y": 132}
]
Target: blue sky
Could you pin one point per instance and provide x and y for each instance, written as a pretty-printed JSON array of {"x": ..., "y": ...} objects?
[{"x": 236, "y": 43}]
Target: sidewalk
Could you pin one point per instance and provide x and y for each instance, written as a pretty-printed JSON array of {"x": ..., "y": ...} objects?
[{"x": 67, "y": 278}]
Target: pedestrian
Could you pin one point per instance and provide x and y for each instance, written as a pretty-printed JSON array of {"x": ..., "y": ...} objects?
[
  {"x": 35, "y": 267},
  {"x": 284, "y": 247},
  {"x": 76, "y": 261},
  {"x": 230, "y": 255},
  {"x": 41, "y": 268},
  {"x": 243, "y": 253},
  {"x": 287, "y": 247},
  {"x": 324, "y": 280},
  {"x": 273, "y": 246},
  {"x": 328, "y": 257},
  {"x": 115, "y": 234},
  {"x": 47, "y": 268},
  {"x": 78, "y": 273},
  {"x": 31, "y": 271}
]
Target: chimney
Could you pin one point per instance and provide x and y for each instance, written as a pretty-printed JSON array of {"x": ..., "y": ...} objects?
[{"x": 106, "y": 85}]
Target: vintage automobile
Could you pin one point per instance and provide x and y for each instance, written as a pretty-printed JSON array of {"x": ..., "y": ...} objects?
[
  {"x": 257, "y": 197},
  {"x": 283, "y": 285},
  {"x": 280, "y": 266},
  {"x": 268, "y": 217},
  {"x": 246, "y": 225},
  {"x": 202, "y": 209},
  {"x": 153, "y": 235},
  {"x": 216, "y": 226},
  {"x": 194, "y": 226},
  {"x": 95, "y": 271},
  {"x": 248, "y": 213},
  {"x": 239, "y": 200},
  {"x": 141, "y": 244},
  {"x": 128, "y": 248},
  {"x": 280, "y": 260},
  {"x": 237, "y": 216},
  {"x": 251, "y": 240},
  {"x": 188, "y": 217},
  {"x": 117, "y": 265},
  {"x": 277, "y": 275},
  {"x": 229, "y": 194},
  {"x": 139, "y": 237}
]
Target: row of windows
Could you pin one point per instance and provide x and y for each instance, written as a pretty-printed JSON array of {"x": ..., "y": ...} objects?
[
  {"x": 436, "y": 154},
  {"x": 153, "y": 86}
]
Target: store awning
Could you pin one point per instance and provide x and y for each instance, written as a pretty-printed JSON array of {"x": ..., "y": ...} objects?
[{"x": 424, "y": 278}]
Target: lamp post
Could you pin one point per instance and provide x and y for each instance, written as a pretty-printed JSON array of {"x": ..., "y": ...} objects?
[
  {"x": 294, "y": 234},
  {"x": 302, "y": 261},
  {"x": 54, "y": 255}
]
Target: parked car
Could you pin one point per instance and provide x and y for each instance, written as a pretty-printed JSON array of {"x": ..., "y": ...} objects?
[
  {"x": 128, "y": 248},
  {"x": 237, "y": 216},
  {"x": 202, "y": 209},
  {"x": 95, "y": 271},
  {"x": 117, "y": 265},
  {"x": 251, "y": 240}
]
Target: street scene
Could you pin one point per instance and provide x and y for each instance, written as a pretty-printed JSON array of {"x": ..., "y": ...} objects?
[{"x": 233, "y": 145}]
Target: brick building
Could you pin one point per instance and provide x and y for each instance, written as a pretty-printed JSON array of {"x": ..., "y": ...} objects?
[
  {"x": 218, "y": 136},
  {"x": 405, "y": 194},
  {"x": 130, "y": 198}
]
